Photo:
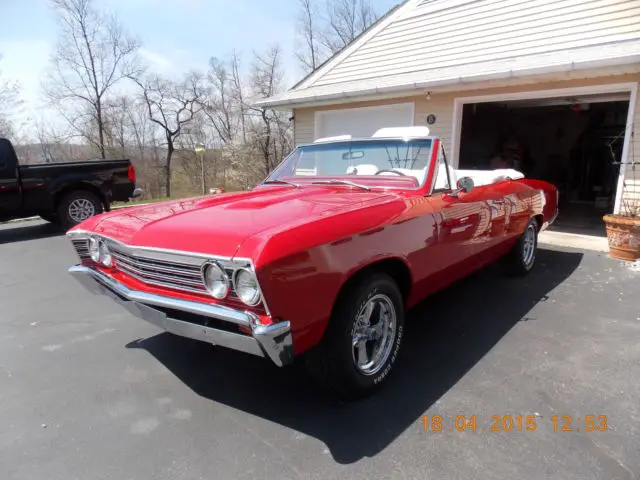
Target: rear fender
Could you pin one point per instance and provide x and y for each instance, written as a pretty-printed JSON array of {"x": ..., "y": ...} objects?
[{"x": 551, "y": 196}]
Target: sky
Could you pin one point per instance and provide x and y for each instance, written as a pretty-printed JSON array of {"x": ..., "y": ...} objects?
[{"x": 176, "y": 35}]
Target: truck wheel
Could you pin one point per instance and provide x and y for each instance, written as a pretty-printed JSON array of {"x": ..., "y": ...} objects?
[
  {"x": 362, "y": 340},
  {"x": 78, "y": 206},
  {"x": 522, "y": 257}
]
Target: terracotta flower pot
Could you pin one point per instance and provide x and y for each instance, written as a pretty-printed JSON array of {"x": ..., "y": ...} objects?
[{"x": 623, "y": 234}]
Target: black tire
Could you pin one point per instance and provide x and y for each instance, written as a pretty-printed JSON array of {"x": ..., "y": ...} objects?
[
  {"x": 520, "y": 261},
  {"x": 67, "y": 218},
  {"x": 333, "y": 364},
  {"x": 50, "y": 217}
]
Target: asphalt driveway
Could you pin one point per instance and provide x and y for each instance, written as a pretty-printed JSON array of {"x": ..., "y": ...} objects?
[{"x": 89, "y": 392}]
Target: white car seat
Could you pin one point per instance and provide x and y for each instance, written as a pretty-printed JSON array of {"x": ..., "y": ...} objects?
[{"x": 487, "y": 177}]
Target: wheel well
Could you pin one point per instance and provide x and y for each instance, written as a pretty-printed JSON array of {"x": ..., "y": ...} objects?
[
  {"x": 394, "y": 267},
  {"x": 539, "y": 220},
  {"x": 75, "y": 187}
]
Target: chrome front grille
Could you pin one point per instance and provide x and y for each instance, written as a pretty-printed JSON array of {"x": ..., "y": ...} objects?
[
  {"x": 161, "y": 273},
  {"x": 161, "y": 269},
  {"x": 82, "y": 247}
]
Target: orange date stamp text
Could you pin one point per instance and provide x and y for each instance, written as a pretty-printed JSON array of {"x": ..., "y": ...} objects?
[{"x": 514, "y": 423}]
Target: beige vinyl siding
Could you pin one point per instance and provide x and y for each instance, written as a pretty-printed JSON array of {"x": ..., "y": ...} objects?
[
  {"x": 441, "y": 105},
  {"x": 449, "y": 39},
  {"x": 304, "y": 125},
  {"x": 442, "y": 108}
]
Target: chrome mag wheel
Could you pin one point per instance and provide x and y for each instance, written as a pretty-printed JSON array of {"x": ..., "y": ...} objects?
[
  {"x": 373, "y": 334},
  {"x": 81, "y": 209},
  {"x": 529, "y": 245}
]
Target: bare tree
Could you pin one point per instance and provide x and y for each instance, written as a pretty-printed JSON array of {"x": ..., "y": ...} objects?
[
  {"x": 271, "y": 128},
  {"x": 346, "y": 19},
  {"x": 116, "y": 123},
  {"x": 219, "y": 105},
  {"x": 9, "y": 100},
  {"x": 310, "y": 57},
  {"x": 52, "y": 143},
  {"x": 238, "y": 94},
  {"x": 171, "y": 106},
  {"x": 93, "y": 55}
]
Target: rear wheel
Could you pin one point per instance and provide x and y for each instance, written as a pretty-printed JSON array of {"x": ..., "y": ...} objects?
[
  {"x": 78, "y": 206},
  {"x": 522, "y": 257},
  {"x": 362, "y": 340}
]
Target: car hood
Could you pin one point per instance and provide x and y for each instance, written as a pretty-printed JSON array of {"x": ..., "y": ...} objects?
[{"x": 218, "y": 225}]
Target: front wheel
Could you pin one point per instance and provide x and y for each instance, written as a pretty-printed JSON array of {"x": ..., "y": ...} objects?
[
  {"x": 522, "y": 257},
  {"x": 362, "y": 340},
  {"x": 78, "y": 206}
]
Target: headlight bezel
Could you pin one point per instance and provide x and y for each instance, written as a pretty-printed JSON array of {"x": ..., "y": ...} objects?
[
  {"x": 106, "y": 257},
  {"x": 256, "y": 298},
  {"x": 93, "y": 247},
  {"x": 221, "y": 295},
  {"x": 99, "y": 252}
]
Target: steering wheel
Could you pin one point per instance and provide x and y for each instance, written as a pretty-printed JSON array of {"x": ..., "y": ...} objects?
[{"x": 391, "y": 171}]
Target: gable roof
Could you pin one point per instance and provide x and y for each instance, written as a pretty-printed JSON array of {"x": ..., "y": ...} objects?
[{"x": 429, "y": 43}]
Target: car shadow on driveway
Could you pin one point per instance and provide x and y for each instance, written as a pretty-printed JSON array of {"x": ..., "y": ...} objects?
[
  {"x": 17, "y": 232},
  {"x": 446, "y": 336}
]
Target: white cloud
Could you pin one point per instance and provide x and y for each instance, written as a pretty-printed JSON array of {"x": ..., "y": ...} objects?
[{"x": 157, "y": 62}]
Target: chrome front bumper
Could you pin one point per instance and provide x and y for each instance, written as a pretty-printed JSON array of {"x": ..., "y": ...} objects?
[{"x": 269, "y": 341}]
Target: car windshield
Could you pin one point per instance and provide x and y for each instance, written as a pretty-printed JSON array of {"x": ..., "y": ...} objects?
[{"x": 372, "y": 162}]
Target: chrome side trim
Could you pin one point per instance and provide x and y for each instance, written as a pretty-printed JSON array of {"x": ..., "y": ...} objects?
[{"x": 270, "y": 341}]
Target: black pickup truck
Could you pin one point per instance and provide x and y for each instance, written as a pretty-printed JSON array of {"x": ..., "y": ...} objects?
[{"x": 62, "y": 193}]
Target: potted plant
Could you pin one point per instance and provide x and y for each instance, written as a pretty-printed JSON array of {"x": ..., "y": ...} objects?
[{"x": 623, "y": 229}]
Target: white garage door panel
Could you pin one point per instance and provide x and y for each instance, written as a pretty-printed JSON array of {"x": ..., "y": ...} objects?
[{"x": 362, "y": 122}]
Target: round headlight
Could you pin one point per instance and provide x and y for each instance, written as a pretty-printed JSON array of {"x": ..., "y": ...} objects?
[
  {"x": 247, "y": 287},
  {"x": 105, "y": 255},
  {"x": 216, "y": 280},
  {"x": 94, "y": 250}
]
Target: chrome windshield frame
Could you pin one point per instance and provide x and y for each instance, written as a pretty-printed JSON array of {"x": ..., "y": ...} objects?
[{"x": 432, "y": 141}]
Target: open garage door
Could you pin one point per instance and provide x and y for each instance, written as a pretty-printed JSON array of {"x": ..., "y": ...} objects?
[
  {"x": 362, "y": 122},
  {"x": 572, "y": 142}
]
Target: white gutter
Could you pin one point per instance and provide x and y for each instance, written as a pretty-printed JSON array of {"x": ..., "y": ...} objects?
[{"x": 289, "y": 102}]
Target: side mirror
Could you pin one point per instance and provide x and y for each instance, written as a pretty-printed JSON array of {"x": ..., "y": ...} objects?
[{"x": 465, "y": 184}]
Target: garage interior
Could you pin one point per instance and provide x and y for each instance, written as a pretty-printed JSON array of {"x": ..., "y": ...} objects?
[{"x": 575, "y": 143}]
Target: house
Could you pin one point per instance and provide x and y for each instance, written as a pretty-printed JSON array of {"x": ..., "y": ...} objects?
[{"x": 551, "y": 85}]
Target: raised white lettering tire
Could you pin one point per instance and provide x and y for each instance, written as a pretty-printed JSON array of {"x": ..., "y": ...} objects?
[{"x": 362, "y": 340}]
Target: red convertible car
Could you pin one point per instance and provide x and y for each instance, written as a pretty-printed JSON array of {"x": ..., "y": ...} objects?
[{"x": 323, "y": 258}]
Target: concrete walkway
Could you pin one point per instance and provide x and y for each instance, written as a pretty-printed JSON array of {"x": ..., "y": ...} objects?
[{"x": 574, "y": 240}]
